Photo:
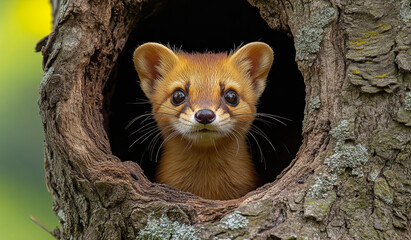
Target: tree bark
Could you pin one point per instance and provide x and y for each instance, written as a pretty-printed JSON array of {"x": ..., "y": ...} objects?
[{"x": 350, "y": 179}]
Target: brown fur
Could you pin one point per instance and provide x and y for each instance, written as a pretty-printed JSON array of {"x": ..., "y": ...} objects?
[
  {"x": 213, "y": 165},
  {"x": 222, "y": 174}
]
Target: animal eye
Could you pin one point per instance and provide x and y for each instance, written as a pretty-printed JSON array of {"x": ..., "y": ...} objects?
[
  {"x": 178, "y": 97},
  {"x": 231, "y": 97}
]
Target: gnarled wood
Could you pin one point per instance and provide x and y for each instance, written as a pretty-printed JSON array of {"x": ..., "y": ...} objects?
[{"x": 350, "y": 180}]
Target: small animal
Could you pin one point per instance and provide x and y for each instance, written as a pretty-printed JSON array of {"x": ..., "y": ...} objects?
[{"x": 204, "y": 105}]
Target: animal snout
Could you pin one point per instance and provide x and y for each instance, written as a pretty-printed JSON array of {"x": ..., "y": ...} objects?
[{"x": 205, "y": 116}]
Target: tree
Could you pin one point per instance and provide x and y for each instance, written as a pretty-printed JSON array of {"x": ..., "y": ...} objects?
[{"x": 351, "y": 176}]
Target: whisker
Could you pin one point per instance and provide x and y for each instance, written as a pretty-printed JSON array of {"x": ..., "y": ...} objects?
[
  {"x": 145, "y": 101},
  {"x": 139, "y": 103},
  {"x": 249, "y": 144},
  {"x": 154, "y": 141},
  {"x": 271, "y": 116},
  {"x": 172, "y": 135},
  {"x": 153, "y": 113},
  {"x": 236, "y": 138},
  {"x": 286, "y": 148},
  {"x": 189, "y": 148},
  {"x": 263, "y": 114},
  {"x": 148, "y": 115},
  {"x": 275, "y": 117},
  {"x": 223, "y": 121},
  {"x": 188, "y": 143},
  {"x": 151, "y": 132},
  {"x": 266, "y": 122},
  {"x": 215, "y": 147},
  {"x": 137, "y": 118},
  {"x": 148, "y": 136},
  {"x": 262, "y": 134},
  {"x": 262, "y": 159},
  {"x": 162, "y": 104},
  {"x": 143, "y": 128}
]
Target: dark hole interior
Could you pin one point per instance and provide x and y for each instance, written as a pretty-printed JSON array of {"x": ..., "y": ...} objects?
[{"x": 209, "y": 26}]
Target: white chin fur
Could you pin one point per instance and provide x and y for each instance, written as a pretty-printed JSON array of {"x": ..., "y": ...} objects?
[{"x": 195, "y": 131}]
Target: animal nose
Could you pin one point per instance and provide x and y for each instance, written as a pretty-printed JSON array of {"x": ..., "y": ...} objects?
[{"x": 205, "y": 116}]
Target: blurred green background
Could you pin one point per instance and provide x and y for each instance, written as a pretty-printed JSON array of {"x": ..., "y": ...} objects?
[{"x": 22, "y": 189}]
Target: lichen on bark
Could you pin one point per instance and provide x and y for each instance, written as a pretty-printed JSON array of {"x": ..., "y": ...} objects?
[
  {"x": 343, "y": 156},
  {"x": 405, "y": 11},
  {"x": 164, "y": 229},
  {"x": 309, "y": 37},
  {"x": 234, "y": 221}
]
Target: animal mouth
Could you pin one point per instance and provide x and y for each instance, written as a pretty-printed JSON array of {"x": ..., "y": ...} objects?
[
  {"x": 204, "y": 130},
  {"x": 204, "y": 134}
]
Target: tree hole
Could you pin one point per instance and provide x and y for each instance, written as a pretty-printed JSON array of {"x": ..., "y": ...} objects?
[{"x": 199, "y": 26}]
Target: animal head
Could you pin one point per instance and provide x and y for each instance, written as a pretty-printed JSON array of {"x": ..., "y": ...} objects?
[{"x": 203, "y": 97}]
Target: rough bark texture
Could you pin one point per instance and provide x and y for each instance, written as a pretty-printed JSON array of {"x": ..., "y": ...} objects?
[{"x": 351, "y": 178}]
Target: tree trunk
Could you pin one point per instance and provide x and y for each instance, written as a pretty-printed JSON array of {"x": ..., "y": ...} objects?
[{"x": 351, "y": 176}]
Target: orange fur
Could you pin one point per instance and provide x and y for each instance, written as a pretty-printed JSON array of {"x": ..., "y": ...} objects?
[{"x": 214, "y": 164}]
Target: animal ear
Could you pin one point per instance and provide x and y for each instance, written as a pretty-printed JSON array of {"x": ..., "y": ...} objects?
[
  {"x": 255, "y": 60},
  {"x": 152, "y": 62}
]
